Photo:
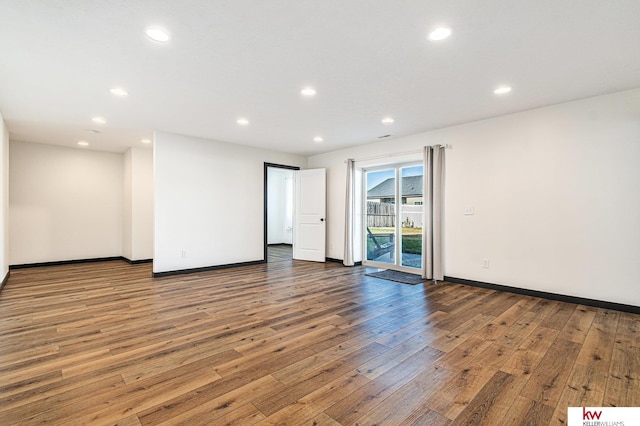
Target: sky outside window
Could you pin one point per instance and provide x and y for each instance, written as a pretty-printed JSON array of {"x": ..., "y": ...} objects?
[{"x": 376, "y": 177}]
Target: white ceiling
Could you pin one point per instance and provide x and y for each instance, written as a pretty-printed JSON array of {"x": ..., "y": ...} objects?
[{"x": 367, "y": 59}]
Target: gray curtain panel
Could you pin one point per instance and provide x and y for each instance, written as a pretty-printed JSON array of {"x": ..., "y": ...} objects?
[
  {"x": 433, "y": 193},
  {"x": 349, "y": 210}
]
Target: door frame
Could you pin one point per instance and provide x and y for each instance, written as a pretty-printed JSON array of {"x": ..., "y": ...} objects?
[
  {"x": 266, "y": 199},
  {"x": 397, "y": 265}
]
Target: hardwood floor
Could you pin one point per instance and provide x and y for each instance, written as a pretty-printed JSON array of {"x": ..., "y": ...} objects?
[
  {"x": 299, "y": 343},
  {"x": 279, "y": 253}
]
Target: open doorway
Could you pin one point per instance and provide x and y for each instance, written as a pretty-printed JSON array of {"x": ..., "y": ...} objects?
[{"x": 278, "y": 212}]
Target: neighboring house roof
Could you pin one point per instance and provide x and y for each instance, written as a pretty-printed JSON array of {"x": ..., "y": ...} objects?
[{"x": 411, "y": 187}]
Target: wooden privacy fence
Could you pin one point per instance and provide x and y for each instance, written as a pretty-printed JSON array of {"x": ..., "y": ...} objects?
[{"x": 381, "y": 214}]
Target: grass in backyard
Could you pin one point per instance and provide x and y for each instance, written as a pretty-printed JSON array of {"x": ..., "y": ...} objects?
[{"x": 411, "y": 243}]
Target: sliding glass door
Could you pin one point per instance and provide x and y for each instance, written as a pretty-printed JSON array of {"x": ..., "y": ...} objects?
[
  {"x": 393, "y": 216},
  {"x": 380, "y": 221}
]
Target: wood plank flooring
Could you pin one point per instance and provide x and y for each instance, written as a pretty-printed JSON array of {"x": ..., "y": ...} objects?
[
  {"x": 299, "y": 343},
  {"x": 279, "y": 252}
]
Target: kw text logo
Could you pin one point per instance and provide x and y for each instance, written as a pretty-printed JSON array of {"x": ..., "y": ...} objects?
[{"x": 590, "y": 415}]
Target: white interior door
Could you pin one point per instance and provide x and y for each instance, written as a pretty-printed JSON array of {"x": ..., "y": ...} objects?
[{"x": 309, "y": 226}]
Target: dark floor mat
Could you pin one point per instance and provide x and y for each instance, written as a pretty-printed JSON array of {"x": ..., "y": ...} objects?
[{"x": 399, "y": 277}]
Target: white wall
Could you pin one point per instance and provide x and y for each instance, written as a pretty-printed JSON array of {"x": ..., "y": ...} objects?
[
  {"x": 209, "y": 201},
  {"x": 127, "y": 203},
  {"x": 64, "y": 203},
  {"x": 279, "y": 206},
  {"x": 555, "y": 192},
  {"x": 4, "y": 199},
  {"x": 137, "y": 236}
]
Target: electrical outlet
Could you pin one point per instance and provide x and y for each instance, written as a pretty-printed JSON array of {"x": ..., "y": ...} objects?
[
  {"x": 468, "y": 211},
  {"x": 485, "y": 263},
  {"x": 184, "y": 254}
]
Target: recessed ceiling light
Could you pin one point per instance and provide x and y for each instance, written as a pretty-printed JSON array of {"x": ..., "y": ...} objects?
[
  {"x": 158, "y": 34},
  {"x": 440, "y": 33},
  {"x": 117, "y": 91},
  {"x": 242, "y": 121},
  {"x": 145, "y": 140},
  {"x": 308, "y": 91},
  {"x": 502, "y": 90},
  {"x": 318, "y": 139},
  {"x": 387, "y": 120},
  {"x": 83, "y": 143},
  {"x": 99, "y": 120}
]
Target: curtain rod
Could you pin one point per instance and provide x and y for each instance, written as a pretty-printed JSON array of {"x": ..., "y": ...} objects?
[{"x": 396, "y": 154}]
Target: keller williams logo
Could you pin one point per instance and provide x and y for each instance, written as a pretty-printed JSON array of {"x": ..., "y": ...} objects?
[
  {"x": 603, "y": 416},
  {"x": 590, "y": 415}
]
